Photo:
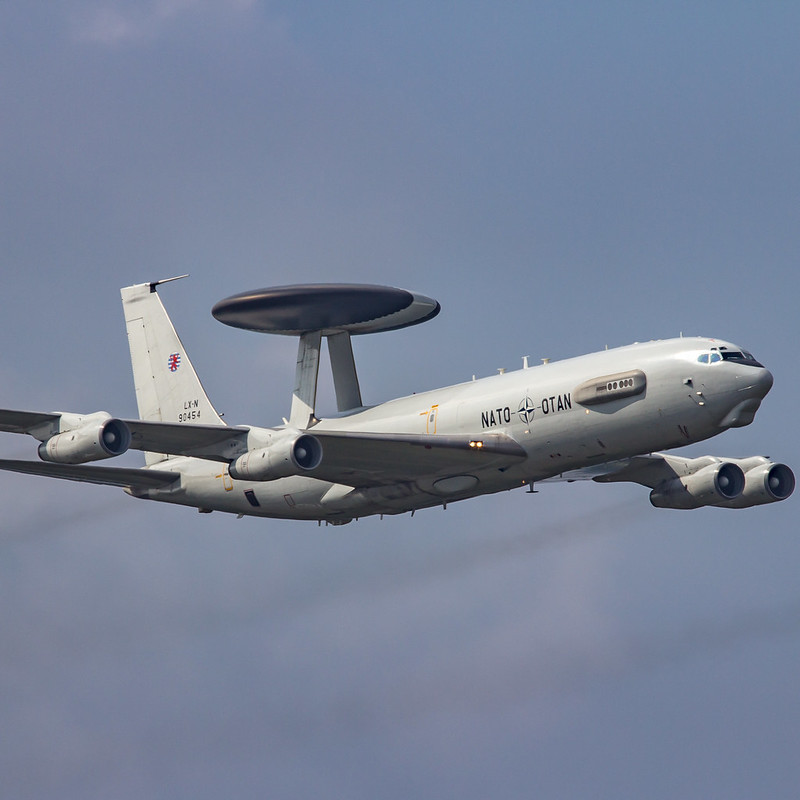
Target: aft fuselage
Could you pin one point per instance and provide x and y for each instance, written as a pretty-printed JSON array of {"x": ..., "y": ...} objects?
[{"x": 567, "y": 415}]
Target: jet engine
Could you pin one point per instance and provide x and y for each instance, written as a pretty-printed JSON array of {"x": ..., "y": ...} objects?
[
  {"x": 717, "y": 484},
  {"x": 765, "y": 482},
  {"x": 279, "y": 459},
  {"x": 86, "y": 438}
]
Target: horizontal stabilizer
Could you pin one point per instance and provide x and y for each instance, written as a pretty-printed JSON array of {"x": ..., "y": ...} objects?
[{"x": 106, "y": 476}]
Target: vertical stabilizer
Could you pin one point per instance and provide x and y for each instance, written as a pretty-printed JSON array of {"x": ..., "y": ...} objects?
[{"x": 167, "y": 387}]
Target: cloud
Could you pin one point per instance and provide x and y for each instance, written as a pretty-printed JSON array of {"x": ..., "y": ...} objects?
[{"x": 133, "y": 23}]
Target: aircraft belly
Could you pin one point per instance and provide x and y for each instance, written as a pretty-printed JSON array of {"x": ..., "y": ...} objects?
[
  {"x": 286, "y": 498},
  {"x": 307, "y": 498}
]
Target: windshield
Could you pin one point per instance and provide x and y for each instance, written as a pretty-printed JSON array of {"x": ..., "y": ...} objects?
[
  {"x": 740, "y": 357},
  {"x": 723, "y": 354}
]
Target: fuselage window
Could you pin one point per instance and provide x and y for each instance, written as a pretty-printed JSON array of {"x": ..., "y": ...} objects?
[{"x": 703, "y": 358}]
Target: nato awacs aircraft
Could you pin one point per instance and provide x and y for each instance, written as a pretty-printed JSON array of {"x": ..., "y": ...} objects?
[{"x": 602, "y": 416}]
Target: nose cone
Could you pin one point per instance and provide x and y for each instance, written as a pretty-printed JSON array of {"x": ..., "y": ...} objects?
[
  {"x": 763, "y": 382},
  {"x": 753, "y": 390}
]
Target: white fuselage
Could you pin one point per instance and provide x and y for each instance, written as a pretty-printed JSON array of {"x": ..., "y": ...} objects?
[{"x": 684, "y": 400}]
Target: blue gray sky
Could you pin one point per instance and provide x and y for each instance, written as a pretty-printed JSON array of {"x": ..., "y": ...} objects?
[{"x": 561, "y": 177}]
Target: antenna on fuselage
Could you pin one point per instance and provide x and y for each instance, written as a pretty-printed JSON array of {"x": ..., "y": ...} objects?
[{"x": 336, "y": 311}]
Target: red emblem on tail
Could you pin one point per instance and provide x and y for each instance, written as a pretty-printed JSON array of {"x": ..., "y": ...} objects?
[{"x": 174, "y": 361}]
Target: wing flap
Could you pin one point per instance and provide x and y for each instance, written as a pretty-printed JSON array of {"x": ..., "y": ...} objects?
[
  {"x": 373, "y": 459},
  {"x": 107, "y": 476}
]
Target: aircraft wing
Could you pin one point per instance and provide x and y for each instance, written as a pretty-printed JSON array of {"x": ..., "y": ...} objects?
[
  {"x": 373, "y": 459},
  {"x": 185, "y": 439},
  {"x": 23, "y": 421},
  {"x": 648, "y": 470},
  {"x": 214, "y": 442},
  {"x": 107, "y": 476}
]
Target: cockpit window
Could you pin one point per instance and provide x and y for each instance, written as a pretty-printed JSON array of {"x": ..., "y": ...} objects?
[
  {"x": 736, "y": 356},
  {"x": 740, "y": 358}
]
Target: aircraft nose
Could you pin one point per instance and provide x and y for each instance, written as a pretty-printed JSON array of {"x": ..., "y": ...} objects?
[
  {"x": 754, "y": 382},
  {"x": 764, "y": 381},
  {"x": 751, "y": 391}
]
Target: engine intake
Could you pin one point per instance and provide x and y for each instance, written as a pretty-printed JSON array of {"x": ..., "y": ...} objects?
[
  {"x": 280, "y": 459},
  {"x": 88, "y": 438},
  {"x": 767, "y": 482},
  {"x": 716, "y": 484}
]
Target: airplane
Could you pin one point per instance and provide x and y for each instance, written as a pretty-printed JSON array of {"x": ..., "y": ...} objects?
[{"x": 607, "y": 416}]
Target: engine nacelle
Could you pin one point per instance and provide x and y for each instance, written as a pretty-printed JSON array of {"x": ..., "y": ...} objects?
[
  {"x": 86, "y": 438},
  {"x": 766, "y": 483},
  {"x": 716, "y": 484},
  {"x": 280, "y": 459}
]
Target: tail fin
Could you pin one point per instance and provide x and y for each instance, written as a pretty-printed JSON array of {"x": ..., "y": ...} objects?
[{"x": 167, "y": 387}]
